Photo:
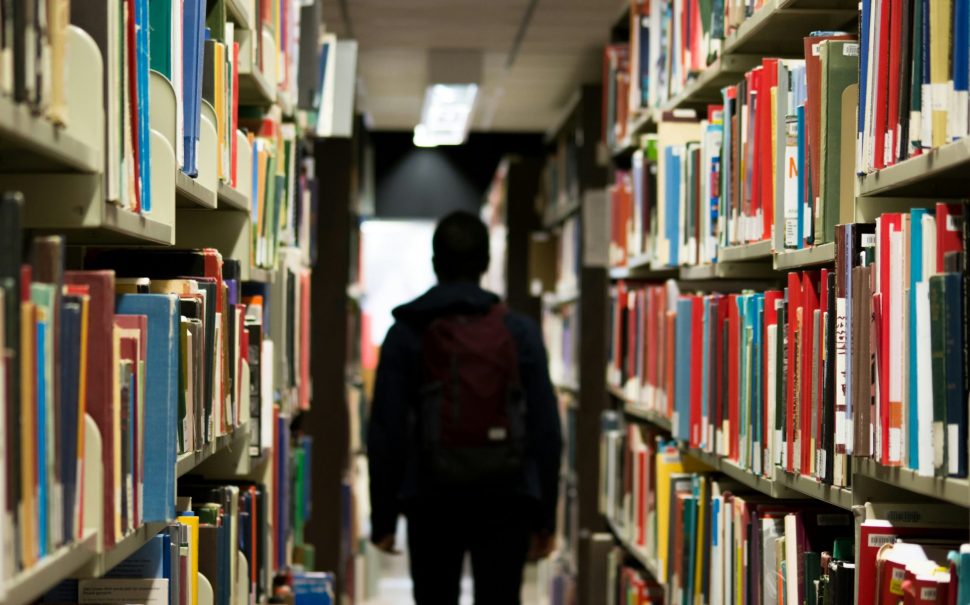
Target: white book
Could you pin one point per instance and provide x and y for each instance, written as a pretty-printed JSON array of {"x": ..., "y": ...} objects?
[
  {"x": 927, "y": 444},
  {"x": 792, "y": 559}
]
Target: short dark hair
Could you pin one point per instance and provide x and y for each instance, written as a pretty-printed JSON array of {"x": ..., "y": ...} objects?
[{"x": 460, "y": 247}]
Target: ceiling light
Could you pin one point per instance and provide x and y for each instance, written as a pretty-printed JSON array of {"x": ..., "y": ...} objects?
[{"x": 446, "y": 114}]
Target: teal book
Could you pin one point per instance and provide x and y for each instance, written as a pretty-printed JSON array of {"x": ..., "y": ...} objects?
[
  {"x": 43, "y": 296},
  {"x": 915, "y": 277},
  {"x": 682, "y": 378},
  {"x": 160, "y": 23}
]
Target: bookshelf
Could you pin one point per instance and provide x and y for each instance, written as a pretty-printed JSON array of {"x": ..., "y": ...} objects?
[
  {"x": 66, "y": 174},
  {"x": 822, "y": 476}
]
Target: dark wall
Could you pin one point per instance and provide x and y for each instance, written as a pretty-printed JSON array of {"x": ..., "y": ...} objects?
[{"x": 428, "y": 183}]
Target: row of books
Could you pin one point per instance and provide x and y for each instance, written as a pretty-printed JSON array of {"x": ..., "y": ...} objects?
[
  {"x": 670, "y": 43},
  {"x": 913, "y": 83},
  {"x": 221, "y": 533},
  {"x": 33, "y": 45},
  {"x": 140, "y": 339},
  {"x": 709, "y": 538},
  {"x": 713, "y": 541},
  {"x": 865, "y": 359},
  {"x": 630, "y": 585},
  {"x": 766, "y": 162},
  {"x": 560, "y": 176}
]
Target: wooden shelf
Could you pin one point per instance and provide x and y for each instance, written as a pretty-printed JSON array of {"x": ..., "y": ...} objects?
[
  {"x": 32, "y": 583},
  {"x": 634, "y": 551},
  {"x": 745, "y": 252},
  {"x": 187, "y": 462},
  {"x": 836, "y": 496},
  {"x": 706, "y": 87},
  {"x": 940, "y": 172},
  {"x": 231, "y": 198},
  {"x": 806, "y": 257},
  {"x": 953, "y": 490},
  {"x": 190, "y": 192},
  {"x": 30, "y": 144}
]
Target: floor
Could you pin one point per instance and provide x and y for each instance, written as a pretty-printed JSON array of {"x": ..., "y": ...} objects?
[{"x": 394, "y": 583}]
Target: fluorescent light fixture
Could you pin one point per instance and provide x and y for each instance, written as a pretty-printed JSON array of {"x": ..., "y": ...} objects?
[{"x": 446, "y": 115}]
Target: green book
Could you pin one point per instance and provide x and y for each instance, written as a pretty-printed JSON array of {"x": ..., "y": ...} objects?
[
  {"x": 215, "y": 20},
  {"x": 160, "y": 20},
  {"x": 840, "y": 69}
]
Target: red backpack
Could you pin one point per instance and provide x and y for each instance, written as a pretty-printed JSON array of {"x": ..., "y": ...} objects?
[{"x": 472, "y": 419}]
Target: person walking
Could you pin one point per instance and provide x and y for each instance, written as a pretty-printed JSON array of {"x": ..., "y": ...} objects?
[{"x": 464, "y": 435}]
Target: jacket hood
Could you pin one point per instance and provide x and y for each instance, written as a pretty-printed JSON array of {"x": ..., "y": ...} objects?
[{"x": 442, "y": 299}]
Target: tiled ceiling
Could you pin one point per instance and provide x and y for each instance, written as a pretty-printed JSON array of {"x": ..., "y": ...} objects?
[{"x": 561, "y": 49}]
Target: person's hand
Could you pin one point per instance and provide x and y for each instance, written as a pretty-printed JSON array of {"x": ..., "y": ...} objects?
[
  {"x": 386, "y": 545},
  {"x": 541, "y": 546}
]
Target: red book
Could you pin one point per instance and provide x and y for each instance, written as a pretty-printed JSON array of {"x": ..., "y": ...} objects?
[
  {"x": 631, "y": 334},
  {"x": 807, "y": 378},
  {"x": 717, "y": 414},
  {"x": 100, "y": 398},
  {"x": 671, "y": 329},
  {"x": 881, "y": 87},
  {"x": 697, "y": 352},
  {"x": 948, "y": 233},
  {"x": 733, "y": 393},
  {"x": 650, "y": 341},
  {"x": 769, "y": 80},
  {"x": 618, "y": 328},
  {"x": 131, "y": 47},
  {"x": 888, "y": 223},
  {"x": 794, "y": 307}
]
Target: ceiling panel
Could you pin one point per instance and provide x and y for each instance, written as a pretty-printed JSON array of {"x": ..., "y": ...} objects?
[{"x": 561, "y": 49}]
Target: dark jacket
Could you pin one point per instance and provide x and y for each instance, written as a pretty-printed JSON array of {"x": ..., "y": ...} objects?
[{"x": 394, "y": 466}]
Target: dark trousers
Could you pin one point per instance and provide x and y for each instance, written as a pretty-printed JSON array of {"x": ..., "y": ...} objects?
[{"x": 495, "y": 532}]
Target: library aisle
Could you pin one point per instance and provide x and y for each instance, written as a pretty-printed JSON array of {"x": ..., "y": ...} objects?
[{"x": 699, "y": 269}]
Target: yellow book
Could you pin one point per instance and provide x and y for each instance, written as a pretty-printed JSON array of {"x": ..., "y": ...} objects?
[
  {"x": 940, "y": 34},
  {"x": 703, "y": 547},
  {"x": 192, "y": 522},
  {"x": 220, "y": 105},
  {"x": 669, "y": 462}
]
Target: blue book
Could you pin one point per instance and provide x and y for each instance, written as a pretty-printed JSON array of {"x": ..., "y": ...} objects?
[
  {"x": 161, "y": 393},
  {"x": 685, "y": 308},
  {"x": 802, "y": 177},
  {"x": 193, "y": 25},
  {"x": 672, "y": 202},
  {"x": 142, "y": 65},
  {"x": 70, "y": 376},
  {"x": 313, "y": 588},
  {"x": 147, "y": 562},
  {"x": 321, "y": 76},
  {"x": 864, "y": 36},
  {"x": 915, "y": 276}
]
